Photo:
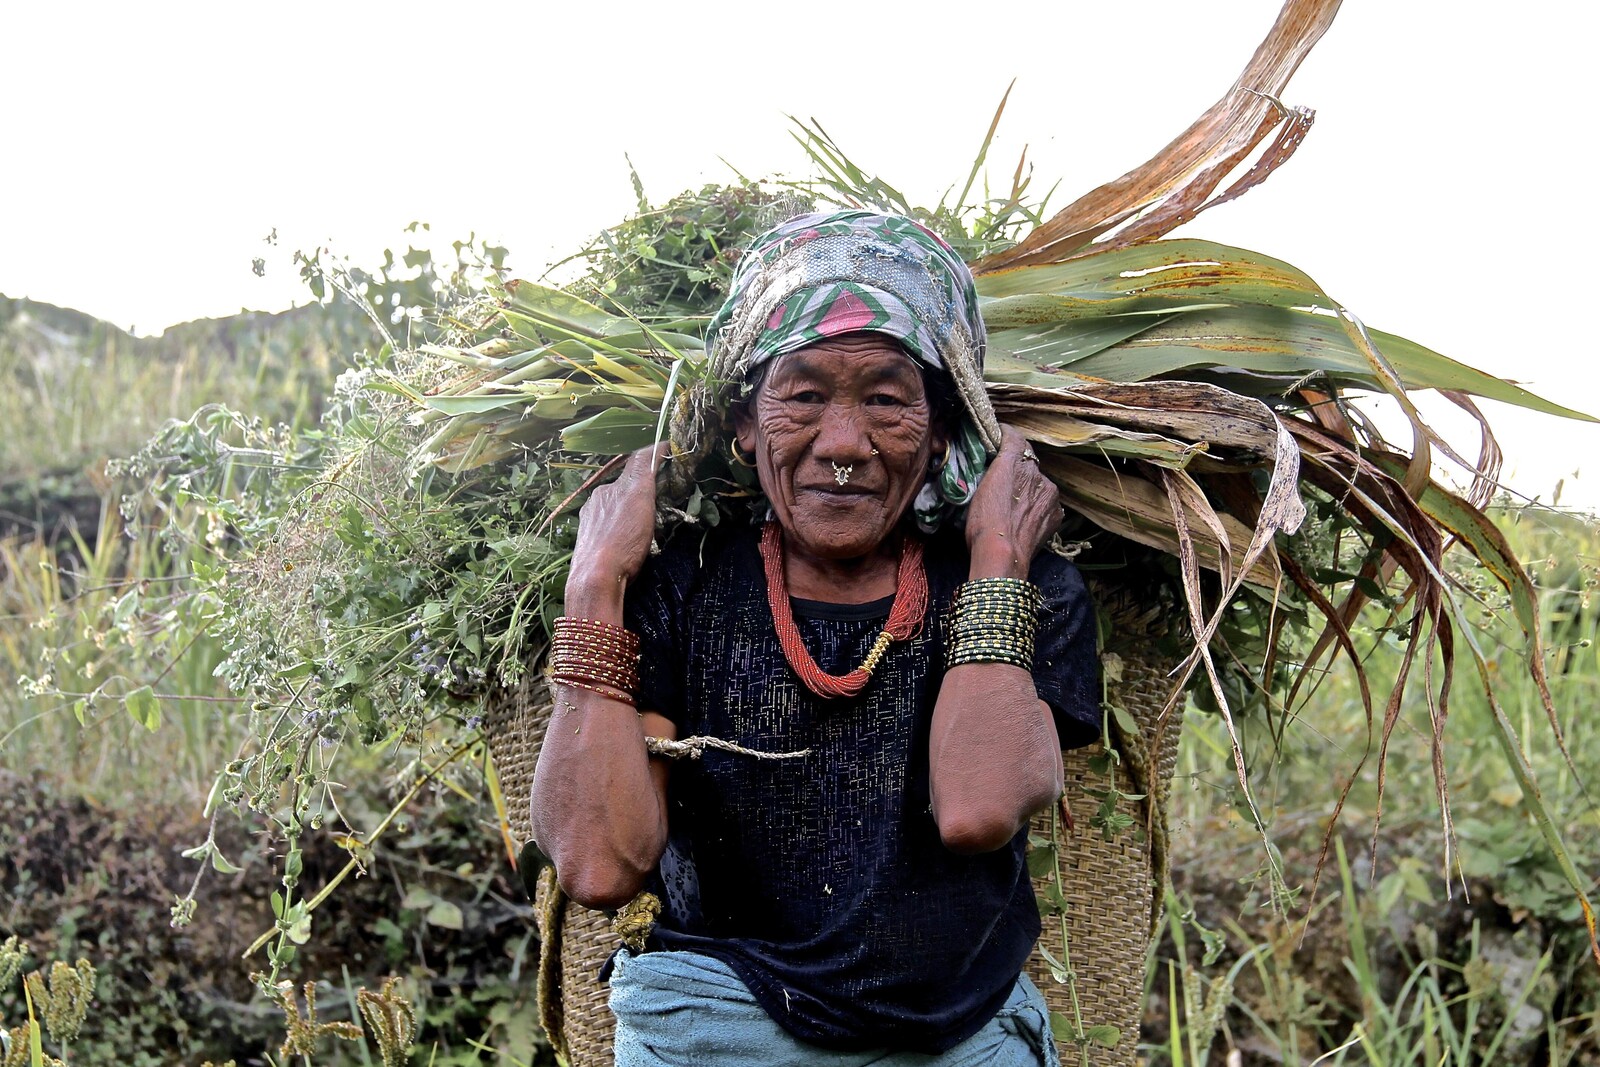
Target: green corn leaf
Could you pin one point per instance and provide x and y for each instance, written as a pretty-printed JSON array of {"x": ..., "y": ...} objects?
[
  {"x": 1213, "y": 309},
  {"x": 642, "y": 347},
  {"x": 613, "y": 432},
  {"x": 473, "y": 405},
  {"x": 1286, "y": 346},
  {"x": 531, "y": 304},
  {"x": 1000, "y": 367},
  {"x": 1054, "y": 344},
  {"x": 1178, "y": 272}
]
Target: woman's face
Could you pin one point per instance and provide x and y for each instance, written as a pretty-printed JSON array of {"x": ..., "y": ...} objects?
[{"x": 851, "y": 407}]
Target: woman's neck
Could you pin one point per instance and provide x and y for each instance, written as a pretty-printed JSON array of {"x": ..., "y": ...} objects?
[{"x": 842, "y": 581}]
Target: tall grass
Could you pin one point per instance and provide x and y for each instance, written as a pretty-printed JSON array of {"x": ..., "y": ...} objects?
[
  {"x": 1397, "y": 960},
  {"x": 85, "y": 397},
  {"x": 74, "y": 643}
]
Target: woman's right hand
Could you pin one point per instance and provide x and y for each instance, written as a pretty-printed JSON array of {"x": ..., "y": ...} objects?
[{"x": 615, "y": 529}]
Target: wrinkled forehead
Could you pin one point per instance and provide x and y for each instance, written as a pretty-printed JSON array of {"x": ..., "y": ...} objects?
[{"x": 861, "y": 357}]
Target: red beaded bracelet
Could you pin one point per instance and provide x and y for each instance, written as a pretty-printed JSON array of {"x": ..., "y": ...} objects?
[{"x": 596, "y": 656}]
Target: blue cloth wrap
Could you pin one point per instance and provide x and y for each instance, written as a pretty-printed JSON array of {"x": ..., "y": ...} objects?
[{"x": 685, "y": 1008}]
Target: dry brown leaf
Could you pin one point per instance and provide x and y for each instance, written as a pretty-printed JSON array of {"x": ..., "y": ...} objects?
[
  {"x": 1133, "y": 508},
  {"x": 1175, "y": 184}
]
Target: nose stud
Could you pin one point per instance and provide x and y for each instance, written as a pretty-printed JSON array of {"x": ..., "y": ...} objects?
[{"x": 841, "y": 475}]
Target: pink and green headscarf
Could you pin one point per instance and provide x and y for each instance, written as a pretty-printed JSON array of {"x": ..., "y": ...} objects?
[{"x": 822, "y": 275}]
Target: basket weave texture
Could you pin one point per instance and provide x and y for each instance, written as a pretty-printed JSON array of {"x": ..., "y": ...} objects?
[
  {"x": 1104, "y": 930},
  {"x": 1105, "y": 881}
]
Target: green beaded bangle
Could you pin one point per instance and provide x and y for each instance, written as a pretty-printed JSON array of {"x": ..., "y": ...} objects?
[
  {"x": 1013, "y": 589},
  {"x": 994, "y": 620},
  {"x": 989, "y": 654}
]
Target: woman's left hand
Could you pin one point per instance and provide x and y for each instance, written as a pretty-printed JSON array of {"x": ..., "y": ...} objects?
[{"x": 1014, "y": 512}]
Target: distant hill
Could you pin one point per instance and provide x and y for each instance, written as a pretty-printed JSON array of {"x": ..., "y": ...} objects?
[
  {"x": 38, "y": 325},
  {"x": 79, "y": 391},
  {"x": 57, "y": 324}
]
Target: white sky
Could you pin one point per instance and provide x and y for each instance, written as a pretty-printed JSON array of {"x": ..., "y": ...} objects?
[{"x": 149, "y": 148}]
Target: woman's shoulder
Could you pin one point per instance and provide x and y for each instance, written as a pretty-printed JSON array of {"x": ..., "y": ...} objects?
[
  {"x": 693, "y": 554},
  {"x": 1058, "y": 578}
]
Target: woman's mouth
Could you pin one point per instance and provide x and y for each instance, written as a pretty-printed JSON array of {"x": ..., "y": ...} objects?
[{"x": 840, "y": 491}]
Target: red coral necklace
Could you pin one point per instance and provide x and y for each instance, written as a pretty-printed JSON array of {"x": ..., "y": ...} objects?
[{"x": 905, "y": 617}]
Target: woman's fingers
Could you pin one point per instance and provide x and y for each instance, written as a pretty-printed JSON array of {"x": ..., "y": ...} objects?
[
  {"x": 617, "y": 523},
  {"x": 636, "y": 485},
  {"x": 639, "y": 472},
  {"x": 1024, "y": 461},
  {"x": 648, "y": 459},
  {"x": 1023, "y": 499},
  {"x": 1012, "y": 443}
]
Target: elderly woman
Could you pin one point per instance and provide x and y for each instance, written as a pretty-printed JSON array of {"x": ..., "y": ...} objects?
[{"x": 893, "y": 627}]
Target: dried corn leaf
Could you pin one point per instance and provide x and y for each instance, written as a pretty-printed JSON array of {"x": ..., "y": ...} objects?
[
  {"x": 1174, "y": 185},
  {"x": 1132, "y": 507},
  {"x": 1201, "y": 416}
]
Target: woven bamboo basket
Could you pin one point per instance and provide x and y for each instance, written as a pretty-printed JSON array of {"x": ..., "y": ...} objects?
[
  {"x": 1103, "y": 880},
  {"x": 1106, "y": 879}
]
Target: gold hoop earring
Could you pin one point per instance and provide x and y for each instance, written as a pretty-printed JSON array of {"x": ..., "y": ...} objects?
[
  {"x": 738, "y": 457},
  {"x": 937, "y": 465}
]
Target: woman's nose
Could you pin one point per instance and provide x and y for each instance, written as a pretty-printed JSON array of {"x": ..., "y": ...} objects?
[{"x": 841, "y": 437}]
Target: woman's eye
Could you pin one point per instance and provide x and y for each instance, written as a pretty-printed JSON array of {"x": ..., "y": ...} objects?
[
  {"x": 806, "y": 396},
  {"x": 879, "y": 400}
]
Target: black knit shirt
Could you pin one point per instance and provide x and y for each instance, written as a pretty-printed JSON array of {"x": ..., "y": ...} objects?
[{"x": 821, "y": 880}]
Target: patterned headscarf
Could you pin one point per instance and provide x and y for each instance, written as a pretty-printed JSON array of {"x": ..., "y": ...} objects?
[{"x": 822, "y": 275}]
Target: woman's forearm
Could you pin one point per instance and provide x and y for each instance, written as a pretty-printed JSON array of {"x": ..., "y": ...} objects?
[
  {"x": 597, "y": 811},
  {"x": 598, "y": 799},
  {"x": 993, "y": 756}
]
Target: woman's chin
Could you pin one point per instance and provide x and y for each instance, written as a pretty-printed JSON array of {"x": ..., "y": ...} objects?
[
  {"x": 837, "y": 529},
  {"x": 835, "y": 551}
]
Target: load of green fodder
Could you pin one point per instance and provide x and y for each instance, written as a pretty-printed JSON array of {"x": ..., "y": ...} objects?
[{"x": 1189, "y": 398}]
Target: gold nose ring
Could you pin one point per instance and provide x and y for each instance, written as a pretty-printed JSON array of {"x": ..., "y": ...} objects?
[{"x": 841, "y": 475}]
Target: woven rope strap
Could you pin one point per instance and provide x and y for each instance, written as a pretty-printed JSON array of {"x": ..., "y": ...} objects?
[{"x": 549, "y": 908}]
